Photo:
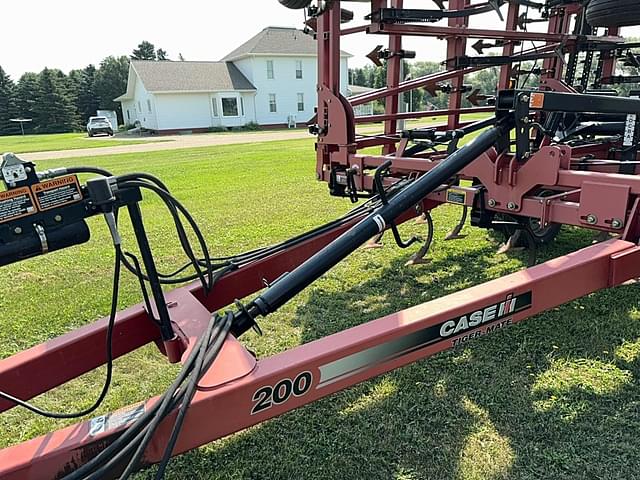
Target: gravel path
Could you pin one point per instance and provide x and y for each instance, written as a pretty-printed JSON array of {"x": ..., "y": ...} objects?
[{"x": 175, "y": 142}]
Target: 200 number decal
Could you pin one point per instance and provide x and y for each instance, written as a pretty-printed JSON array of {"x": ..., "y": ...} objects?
[{"x": 268, "y": 396}]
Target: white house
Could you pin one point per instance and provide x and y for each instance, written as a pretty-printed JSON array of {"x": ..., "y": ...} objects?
[{"x": 270, "y": 80}]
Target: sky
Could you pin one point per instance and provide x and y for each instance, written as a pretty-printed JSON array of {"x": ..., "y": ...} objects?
[{"x": 68, "y": 34}]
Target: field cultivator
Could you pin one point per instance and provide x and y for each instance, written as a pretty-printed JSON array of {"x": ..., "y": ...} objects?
[{"x": 561, "y": 152}]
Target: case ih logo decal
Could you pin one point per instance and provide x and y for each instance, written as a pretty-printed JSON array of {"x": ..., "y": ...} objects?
[
  {"x": 492, "y": 313},
  {"x": 459, "y": 330}
]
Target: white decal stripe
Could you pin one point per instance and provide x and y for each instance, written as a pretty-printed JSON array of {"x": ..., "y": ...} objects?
[{"x": 382, "y": 225}]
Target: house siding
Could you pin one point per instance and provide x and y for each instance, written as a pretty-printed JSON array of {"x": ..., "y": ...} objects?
[
  {"x": 141, "y": 96},
  {"x": 183, "y": 111},
  {"x": 194, "y": 111},
  {"x": 285, "y": 86}
]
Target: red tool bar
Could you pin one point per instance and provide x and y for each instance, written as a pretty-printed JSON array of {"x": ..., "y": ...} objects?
[
  {"x": 408, "y": 86},
  {"x": 57, "y": 361},
  {"x": 438, "y": 31},
  {"x": 307, "y": 373},
  {"x": 430, "y": 113}
]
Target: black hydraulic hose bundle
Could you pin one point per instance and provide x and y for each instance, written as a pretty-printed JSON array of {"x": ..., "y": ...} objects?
[{"x": 294, "y": 282}]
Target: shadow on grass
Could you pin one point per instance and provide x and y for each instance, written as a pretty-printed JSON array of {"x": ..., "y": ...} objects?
[{"x": 553, "y": 397}]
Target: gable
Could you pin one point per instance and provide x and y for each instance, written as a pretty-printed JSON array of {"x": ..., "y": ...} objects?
[{"x": 277, "y": 41}]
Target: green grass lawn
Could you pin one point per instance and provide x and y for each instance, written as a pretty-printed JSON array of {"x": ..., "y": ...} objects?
[
  {"x": 369, "y": 128},
  {"x": 58, "y": 141},
  {"x": 554, "y": 397}
]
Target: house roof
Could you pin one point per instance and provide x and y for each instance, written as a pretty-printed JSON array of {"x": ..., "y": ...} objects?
[
  {"x": 188, "y": 77},
  {"x": 278, "y": 41},
  {"x": 353, "y": 90}
]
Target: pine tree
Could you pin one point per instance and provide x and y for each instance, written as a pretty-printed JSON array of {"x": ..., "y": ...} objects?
[
  {"x": 111, "y": 82},
  {"x": 88, "y": 101},
  {"x": 145, "y": 51},
  {"x": 359, "y": 78},
  {"x": 54, "y": 111},
  {"x": 27, "y": 92},
  {"x": 7, "y": 105},
  {"x": 162, "y": 55}
]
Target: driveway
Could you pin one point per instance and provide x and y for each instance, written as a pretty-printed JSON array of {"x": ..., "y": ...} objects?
[{"x": 174, "y": 142}]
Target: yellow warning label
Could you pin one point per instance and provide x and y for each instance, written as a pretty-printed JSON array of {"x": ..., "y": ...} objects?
[
  {"x": 57, "y": 193},
  {"x": 16, "y": 203}
]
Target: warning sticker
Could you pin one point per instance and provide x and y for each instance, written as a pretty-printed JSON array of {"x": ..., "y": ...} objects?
[
  {"x": 57, "y": 193},
  {"x": 16, "y": 204},
  {"x": 115, "y": 420},
  {"x": 537, "y": 100}
]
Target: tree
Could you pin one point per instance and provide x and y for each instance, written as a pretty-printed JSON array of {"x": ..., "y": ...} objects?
[
  {"x": 486, "y": 81},
  {"x": 111, "y": 82},
  {"x": 180, "y": 57},
  {"x": 162, "y": 55},
  {"x": 88, "y": 101},
  {"x": 7, "y": 104},
  {"x": 72, "y": 83},
  {"x": 27, "y": 92},
  {"x": 145, "y": 51},
  {"x": 54, "y": 112}
]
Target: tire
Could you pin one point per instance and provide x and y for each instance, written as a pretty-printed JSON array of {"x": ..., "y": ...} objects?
[
  {"x": 613, "y": 13},
  {"x": 295, "y": 4}
]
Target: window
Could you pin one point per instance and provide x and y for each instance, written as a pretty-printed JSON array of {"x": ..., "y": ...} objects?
[
  {"x": 214, "y": 103},
  {"x": 273, "y": 106},
  {"x": 242, "y": 106},
  {"x": 149, "y": 105},
  {"x": 230, "y": 107},
  {"x": 128, "y": 114},
  {"x": 298, "y": 69},
  {"x": 301, "y": 102},
  {"x": 270, "y": 74},
  {"x": 139, "y": 107}
]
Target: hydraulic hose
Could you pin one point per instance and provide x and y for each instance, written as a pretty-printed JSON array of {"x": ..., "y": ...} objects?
[{"x": 297, "y": 280}]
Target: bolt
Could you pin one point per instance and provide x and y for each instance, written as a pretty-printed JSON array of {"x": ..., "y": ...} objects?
[
  {"x": 524, "y": 98},
  {"x": 58, "y": 218},
  {"x": 525, "y": 120},
  {"x": 592, "y": 219},
  {"x": 28, "y": 169},
  {"x": 492, "y": 202},
  {"x": 419, "y": 210},
  {"x": 511, "y": 206},
  {"x": 616, "y": 223},
  {"x": 17, "y": 230}
]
